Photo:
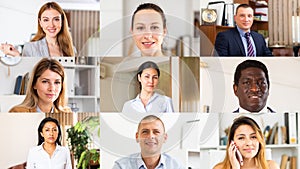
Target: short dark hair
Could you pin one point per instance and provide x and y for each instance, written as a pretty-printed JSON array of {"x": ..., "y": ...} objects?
[
  {"x": 152, "y": 118},
  {"x": 248, "y": 64},
  {"x": 153, "y": 7},
  {"x": 41, "y": 126},
  {"x": 242, "y": 6},
  {"x": 146, "y": 65}
]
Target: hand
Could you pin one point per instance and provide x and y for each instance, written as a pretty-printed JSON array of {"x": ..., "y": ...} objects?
[
  {"x": 232, "y": 156},
  {"x": 9, "y": 49}
]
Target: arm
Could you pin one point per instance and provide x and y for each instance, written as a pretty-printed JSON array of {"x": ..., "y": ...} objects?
[
  {"x": 117, "y": 166},
  {"x": 68, "y": 163},
  {"x": 30, "y": 160},
  {"x": 170, "y": 108},
  {"x": 221, "y": 45}
]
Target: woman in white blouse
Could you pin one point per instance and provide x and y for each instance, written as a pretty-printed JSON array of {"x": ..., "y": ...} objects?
[
  {"x": 148, "y": 101},
  {"x": 49, "y": 154}
]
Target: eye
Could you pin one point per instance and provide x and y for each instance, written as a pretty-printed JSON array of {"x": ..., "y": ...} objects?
[
  {"x": 140, "y": 28},
  {"x": 44, "y": 81},
  {"x": 154, "y": 27},
  {"x": 57, "y": 19},
  {"x": 241, "y": 138},
  {"x": 45, "y": 20},
  {"x": 57, "y": 82},
  {"x": 253, "y": 137},
  {"x": 155, "y": 77}
]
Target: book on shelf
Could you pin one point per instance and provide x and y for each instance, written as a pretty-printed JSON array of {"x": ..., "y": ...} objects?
[
  {"x": 288, "y": 162},
  {"x": 290, "y": 121},
  {"x": 21, "y": 84}
]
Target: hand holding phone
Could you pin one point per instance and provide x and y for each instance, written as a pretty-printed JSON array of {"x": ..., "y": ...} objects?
[{"x": 239, "y": 157}]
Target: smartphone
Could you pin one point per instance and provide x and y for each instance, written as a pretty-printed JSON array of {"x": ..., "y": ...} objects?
[{"x": 239, "y": 157}]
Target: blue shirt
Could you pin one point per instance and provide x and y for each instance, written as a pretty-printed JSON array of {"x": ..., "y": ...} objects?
[
  {"x": 135, "y": 161},
  {"x": 156, "y": 104},
  {"x": 244, "y": 40}
]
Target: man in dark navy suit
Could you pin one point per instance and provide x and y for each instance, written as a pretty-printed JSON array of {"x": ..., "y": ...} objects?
[
  {"x": 251, "y": 86},
  {"x": 234, "y": 42}
]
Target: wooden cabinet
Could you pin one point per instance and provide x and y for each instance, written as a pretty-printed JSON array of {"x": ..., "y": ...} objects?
[{"x": 208, "y": 38}]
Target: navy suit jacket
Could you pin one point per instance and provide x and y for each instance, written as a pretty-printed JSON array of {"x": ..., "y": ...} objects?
[{"x": 229, "y": 43}]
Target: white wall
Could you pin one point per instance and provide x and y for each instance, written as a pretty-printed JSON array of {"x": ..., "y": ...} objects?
[
  {"x": 118, "y": 134},
  {"x": 217, "y": 81},
  {"x": 19, "y": 20},
  {"x": 18, "y": 134}
]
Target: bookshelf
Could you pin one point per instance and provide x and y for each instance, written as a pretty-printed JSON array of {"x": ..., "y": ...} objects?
[
  {"x": 86, "y": 97},
  {"x": 212, "y": 154}
]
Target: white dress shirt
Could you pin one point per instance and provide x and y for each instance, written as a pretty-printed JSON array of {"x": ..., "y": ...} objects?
[{"x": 38, "y": 158}]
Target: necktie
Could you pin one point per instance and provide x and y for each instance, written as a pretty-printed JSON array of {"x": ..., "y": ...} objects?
[{"x": 250, "y": 49}]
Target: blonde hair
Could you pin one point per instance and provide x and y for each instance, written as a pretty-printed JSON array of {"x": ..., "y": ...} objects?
[
  {"x": 259, "y": 158},
  {"x": 32, "y": 97},
  {"x": 64, "y": 38}
]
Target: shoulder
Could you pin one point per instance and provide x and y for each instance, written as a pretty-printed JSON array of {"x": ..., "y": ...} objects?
[
  {"x": 218, "y": 166},
  {"x": 63, "y": 149},
  {"x": 171, "y": 162},
  {"x": 21, "y": 109},
  {"x": 127, "y": 161},
  {"x": 272, "y": 164}
]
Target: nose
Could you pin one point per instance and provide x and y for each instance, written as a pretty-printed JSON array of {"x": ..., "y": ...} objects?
[
  {"x": 254, "y": 86},
  {"x": 151, "y": 135},
  {"x": 51, "y": 87},
  {"x": 248, "y": 141},
  {"x": 148, "y": 34}
]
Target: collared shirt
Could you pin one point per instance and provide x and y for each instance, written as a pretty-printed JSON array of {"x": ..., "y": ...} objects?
[
  {"x": 135, "y": 161},
  {"x": 38, "y": 158},
  {"x": 264, "y": 110},
  {"x": 156, "y": 104},
  {"x": 244, "y": 40}
]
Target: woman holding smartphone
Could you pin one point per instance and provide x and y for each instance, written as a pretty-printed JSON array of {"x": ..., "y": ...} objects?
[{"x": 246, "y": 148}]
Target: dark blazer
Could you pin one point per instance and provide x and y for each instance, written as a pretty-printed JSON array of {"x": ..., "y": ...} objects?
[
  {"x": 229, "y": 43},
  {"x": 269, "y": 109}
]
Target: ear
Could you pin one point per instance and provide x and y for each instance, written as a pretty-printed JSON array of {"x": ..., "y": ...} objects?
[
  {"x": 165, "y": 137},
  {"x": 139, "y": 78},
  {"x": 165, "y": 32},
  {"x": 41, "y": 134},
  {"x": 137, "y": 137},
  {"x": 235, "y": 88}
]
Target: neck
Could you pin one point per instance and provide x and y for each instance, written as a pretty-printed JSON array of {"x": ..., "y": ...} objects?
[
  {"x": 156, "y": 53},
  {"x": 151, "y": 161},
  {"x": 51, "y": 41},
  {"x": 49, "y": 148},
  {"x": 146, "y": 95},
  {"x": 249, "y": 163},
  {"x": 46, "y": 108}
]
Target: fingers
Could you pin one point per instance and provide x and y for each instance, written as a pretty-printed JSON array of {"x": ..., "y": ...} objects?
[{"x": 9, "y": 49}]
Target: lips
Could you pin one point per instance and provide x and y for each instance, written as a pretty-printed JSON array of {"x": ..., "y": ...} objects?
[
  {"x": 148, "y": 44},
  {"x": 50, "y": 95}
]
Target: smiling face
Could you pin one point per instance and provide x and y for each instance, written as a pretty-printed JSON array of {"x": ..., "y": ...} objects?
[
  {"x": 50, "y": 132},
  {"x": 151, "y": 136},
  {"x": 148, "y": 80},
  {"x": 246, "y": 140},
  {"x": 51, "y": 22},
  {"x": 244, "y": 18},
  {"x": 252, "y": 89},
  {"x": 48, "y": 87},
  {"x": 148, "y": 32}
]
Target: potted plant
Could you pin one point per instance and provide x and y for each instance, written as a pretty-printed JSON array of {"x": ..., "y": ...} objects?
[{"x": 79, "y": 137}]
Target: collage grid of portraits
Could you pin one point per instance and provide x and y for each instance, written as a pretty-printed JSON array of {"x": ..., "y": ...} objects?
[{"x": 146, "y": 98}]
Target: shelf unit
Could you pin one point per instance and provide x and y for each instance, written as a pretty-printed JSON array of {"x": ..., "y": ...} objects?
[
  {"x": 85, "y": 84},
  {"x": 87, "y": 76},
  {"x": 210, "y": 155}
]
